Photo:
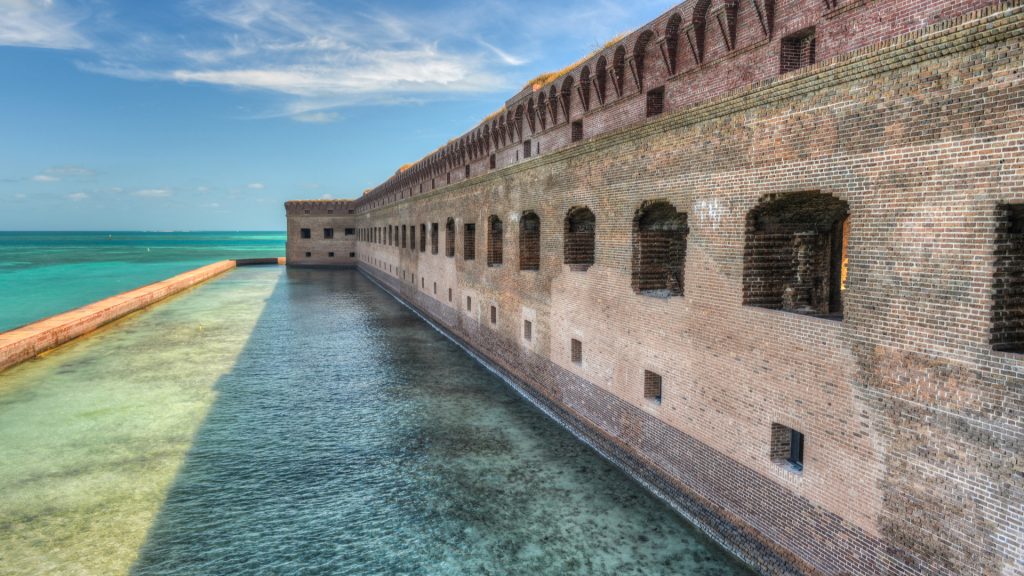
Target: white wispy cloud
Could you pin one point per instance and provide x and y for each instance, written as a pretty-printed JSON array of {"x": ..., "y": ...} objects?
[
  {"x": 256, "y": 186},
  {"x": 78, "y": 196},
  {"x": 504, "y": 56},
  {"x": 316, "y": 117},
  {"x": 58, "y": 173},
  {"x": 153, "y": 193},
  {"x": 40, "y": 24}
]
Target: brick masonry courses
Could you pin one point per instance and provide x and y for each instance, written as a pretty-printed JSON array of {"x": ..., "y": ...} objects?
[{"x": 911, "y": 416}]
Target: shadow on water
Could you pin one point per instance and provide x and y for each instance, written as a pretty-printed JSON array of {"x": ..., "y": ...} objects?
[{"x": 350, "y": 438}]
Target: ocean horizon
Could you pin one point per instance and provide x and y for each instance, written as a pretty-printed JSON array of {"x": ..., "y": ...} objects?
[{"x": 44, "y": 273}]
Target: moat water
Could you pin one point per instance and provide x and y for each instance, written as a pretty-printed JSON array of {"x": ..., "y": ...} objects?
[{"x": 303, "y": 422}]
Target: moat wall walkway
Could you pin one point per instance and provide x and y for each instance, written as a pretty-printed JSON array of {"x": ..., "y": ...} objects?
[{"x": 27, "y": 342}]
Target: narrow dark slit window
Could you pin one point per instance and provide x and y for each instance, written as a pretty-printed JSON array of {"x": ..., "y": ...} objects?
[
  {"x": 1008, "y": 283},
  {"x": 787, "y": 447},
  {"x": 494, "y": 161},
  {"x": 449, "y": 294},
  {"x": 527, "y": 149},
  {"x": 652, "y": 386},
  {"x": 467, "y": 171},
  {"x": 577, "y": 131},
  {"x": 469, "y": 242},
  {"x": 404, "y": 235},
  {"x": 659, "y": 250},
  {"x": 527, "y": 330},
  {"x": 529, "y": 241},
  {"x": 412, "y": 237},
  {"x": 655, "y": 101},
  {"x": 469, "y": 303},
  {"x": 423, "y": 237},
  {"x": 795, "y": 254},
  {"x": 495, "y": 239},
  {"x": 433, "y": 237},
  {"x": 797, "y": 51},
  {"x": 576, "y": 351},
  {"x": 494, "y": 314},
  {"x": 305, "y": 233}
]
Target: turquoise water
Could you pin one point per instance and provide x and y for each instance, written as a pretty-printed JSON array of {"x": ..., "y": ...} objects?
[
  {"x": 303, "y": 422},
  {"x": 46, "y": 273}
]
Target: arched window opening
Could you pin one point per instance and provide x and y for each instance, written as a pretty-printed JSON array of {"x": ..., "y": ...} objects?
[
  {"x": 636, "y": 64},
  {"x": 529, "y": 241},
  {"x": 531, "y": 115},
  {"x": 795, "y": 254},
  {"x": 618, "y": 70},
  {"x": 542, "y": 110},
  {"x": 449, "y": 238},
  {"x": 601, "y": 79},
  {"x": 517, "y": 122},
  {"x": 495, "y": 239},
  {"x": 659, "y": 249},
  {"x": 579, "y": 238},
  {"x": 583, "y": 89},
  {"x": 553, "y": 105},
  {"x": 670, "y": 48},
  {"x": 566, "y": 98}
]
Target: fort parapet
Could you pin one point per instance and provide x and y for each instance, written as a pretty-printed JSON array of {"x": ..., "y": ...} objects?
[{"x": 769, "y": 255}]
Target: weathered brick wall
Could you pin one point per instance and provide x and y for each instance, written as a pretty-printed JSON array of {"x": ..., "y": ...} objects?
[
  {"x": 333, "y": 249},
  {"x": 911, "y": 416}
]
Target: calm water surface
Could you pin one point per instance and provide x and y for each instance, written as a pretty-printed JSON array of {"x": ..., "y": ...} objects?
[
  {"x": 304, "y": 422},
  {"x": 46, "y": 273}
]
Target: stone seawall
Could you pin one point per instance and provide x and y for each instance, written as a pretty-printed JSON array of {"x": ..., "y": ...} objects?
[{"x": 27, "y": 342}]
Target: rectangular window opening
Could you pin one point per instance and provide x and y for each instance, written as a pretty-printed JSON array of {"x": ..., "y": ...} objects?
[
  {"x": 577, "y": 130},
  {"x": 494, "y": 161},
  {"x": 305, "y": 233},
  {"x": 494, "y": 314},
  {"x": 469, "y": 304},
  {"x": 577, "y": 351},
  {"x": 330, "y": 254},
  {"x": 787, "y": 447},
  {"x": 469, "y": 242},
  {"x": 1008, "y": 282},
  {"x": 527, "y": 330},
  {"x": 350, "y": 231},
  {"x": 467, "y": 171},
  {"x": 527, "y": 148},
  {"x": 797, "y": 51},
  {"x": 655, "y": 101},
  {"x": 328, "y": 233},
  {"x": 652, "y": 386}
]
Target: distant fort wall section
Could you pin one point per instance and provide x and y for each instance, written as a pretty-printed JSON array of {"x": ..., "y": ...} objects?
[
  {"x": 789, "y": 294},
  {"x": 321, "y": 233}
]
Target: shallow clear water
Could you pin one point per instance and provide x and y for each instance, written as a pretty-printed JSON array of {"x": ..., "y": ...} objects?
[
  {"x": 46, "y": 273},
  {"x": 303, "y": 422}
]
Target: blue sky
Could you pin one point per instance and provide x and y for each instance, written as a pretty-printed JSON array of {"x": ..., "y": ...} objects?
[{"x": 209, "y": 114}]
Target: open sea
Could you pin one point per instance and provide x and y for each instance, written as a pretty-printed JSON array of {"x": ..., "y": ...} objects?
[{"x": 46, "y": 273}]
